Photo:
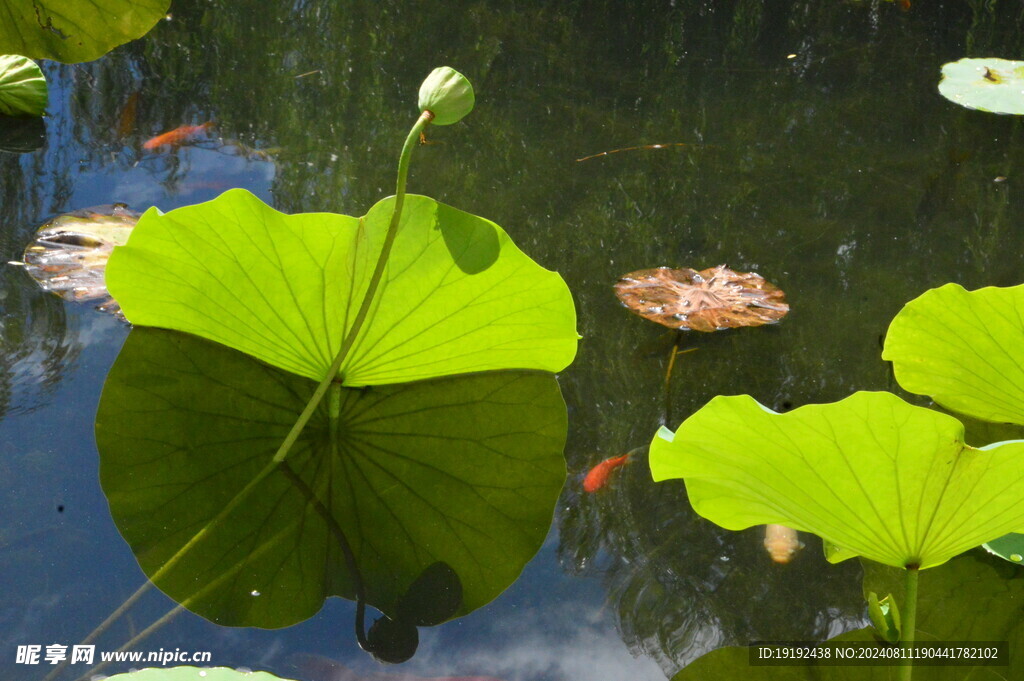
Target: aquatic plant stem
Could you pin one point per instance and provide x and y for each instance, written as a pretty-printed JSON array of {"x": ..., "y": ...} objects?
[{"x": 909, "y": 620}]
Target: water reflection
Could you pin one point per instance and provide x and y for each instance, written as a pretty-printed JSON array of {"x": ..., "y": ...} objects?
[{"x": 833, "y": 172}]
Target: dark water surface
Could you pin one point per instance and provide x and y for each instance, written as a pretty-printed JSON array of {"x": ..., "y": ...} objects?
[{"x": 823, "y": 158}]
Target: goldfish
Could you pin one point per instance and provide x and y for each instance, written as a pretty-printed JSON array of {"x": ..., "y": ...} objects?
[
  {"x": 598, "y": 475},
  {"x": 781, "y": 542},
  {"x": 177, "y": 137}
]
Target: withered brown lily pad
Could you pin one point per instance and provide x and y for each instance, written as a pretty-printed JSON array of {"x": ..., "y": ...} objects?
[
  {"x": 710, "y": 300},
  {"x": 69, "y": 253}
]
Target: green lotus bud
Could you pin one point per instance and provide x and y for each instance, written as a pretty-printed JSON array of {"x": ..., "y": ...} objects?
[{"x": 447, "y": 94}]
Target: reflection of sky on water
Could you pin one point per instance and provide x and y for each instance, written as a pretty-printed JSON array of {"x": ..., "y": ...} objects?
[{"x": 841, "y": 187}]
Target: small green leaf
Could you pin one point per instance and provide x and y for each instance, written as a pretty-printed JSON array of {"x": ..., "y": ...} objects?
[
  {"x": 457, "y": 295},
  {"x": 887, "y": 480},
  {"x": 74, "y": 30},
  {"x": 964, "y": 349},
  {"x": 447, "y": 94},
  {"x": 23, "y": 89},
  {"x": 885, "y": 616},
  {"x": 993, "y": 85}
]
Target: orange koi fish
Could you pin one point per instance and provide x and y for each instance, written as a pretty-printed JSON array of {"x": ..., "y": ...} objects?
[
  {"x": 177, "y": 137},
  {"x": 126, "y": 123},
  {"x": 781, "y": 542},
  {"x": 598, "y": 475}
]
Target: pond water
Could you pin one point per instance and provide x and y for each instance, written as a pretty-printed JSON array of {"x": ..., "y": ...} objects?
[{"x": 808, "y": 143}]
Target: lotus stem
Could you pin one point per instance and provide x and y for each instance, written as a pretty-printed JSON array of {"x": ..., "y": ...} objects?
[{"x": 909, "y": 621}]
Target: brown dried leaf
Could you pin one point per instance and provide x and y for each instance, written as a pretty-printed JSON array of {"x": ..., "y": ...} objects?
[
  {"x": 70, "y": 252},
  {"x": 710, "y": 300}
]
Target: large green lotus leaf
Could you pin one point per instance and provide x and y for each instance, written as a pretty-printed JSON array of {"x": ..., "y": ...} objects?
[
  {"x": 872, "y": 474},
  {"x": 963, "y": 348},
  {"x": 23, "y": 89},
  {"x": 74, "y": 30},
  {"x": 194, "y": 674},
  {"x": 989, "y": 84},
  {"x": 1009, "y": 547},
  {"x": 457, "y": 296},
  {"x": 463, "y": 471},
  {"x": 970, "y": 598}
]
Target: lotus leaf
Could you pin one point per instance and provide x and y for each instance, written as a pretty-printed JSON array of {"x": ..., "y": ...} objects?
[
  {"x": 462, "y": 471},
  {"x": 879, "y": 477},
  {"x": 69, "y": 253},
  {"x": 194, "y": 674},
  {"x": 457, "y": 295},
  {"x": 993, "y": 85},
  {"x": 710, "y": 300},
  {"x": 74, "y": 30},
  {"x": 984, "y": 596},
  {"x": 963, "y": 348},
  {"x": 23, "y": 89}
]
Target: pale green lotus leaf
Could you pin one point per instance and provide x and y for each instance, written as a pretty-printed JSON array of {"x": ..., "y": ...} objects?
[
  {"x": 879, "y": 477},
  {"x": 993, "y": 85},
  {"x": 74, "y": 30},
  {"x": 457, "y": 295},
  {"x": 965, "y": 349},
  {"x": 22, "y": 87},
  {"x": 194, "y": 674}
]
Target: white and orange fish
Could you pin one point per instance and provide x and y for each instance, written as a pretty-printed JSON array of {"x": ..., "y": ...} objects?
[{"x": 781, "y": 542}]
